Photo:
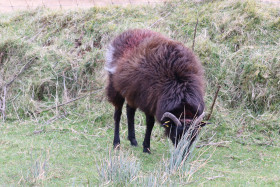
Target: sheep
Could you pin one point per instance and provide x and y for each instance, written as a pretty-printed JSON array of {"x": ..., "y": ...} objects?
[{"x": 157, "y": 75}]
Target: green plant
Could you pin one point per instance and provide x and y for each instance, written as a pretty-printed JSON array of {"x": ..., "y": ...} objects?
[{"x": 118, "y": 168}]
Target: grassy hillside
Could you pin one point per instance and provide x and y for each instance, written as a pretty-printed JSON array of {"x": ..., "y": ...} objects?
[{"x": 49, "y": 58}]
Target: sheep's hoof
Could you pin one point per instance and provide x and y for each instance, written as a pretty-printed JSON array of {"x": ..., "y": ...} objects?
[
  {"x": 133, "y": 142},
  {"x": 117, "y": 146},
  {"x": 146, "y": 150}
]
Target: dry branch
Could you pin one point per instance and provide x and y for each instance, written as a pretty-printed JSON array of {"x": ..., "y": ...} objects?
[
  {"x": 66, "y": 103},
  {"x": 214, "y": 101},
  {"x": 3, "y": 102},
  {"x": 194, "y": 35},
  {"x": 159, "y": 20},
  {"x": 1, "y": 57},
  {"x": 215, "y": 177},
  {"x": 5, "y": 88},
  {"x": 218, "y": 144},
  {"x": 18, "y": 74},
  {"x": 36, "y": 35},
  {"x": 65, "y": 96}
]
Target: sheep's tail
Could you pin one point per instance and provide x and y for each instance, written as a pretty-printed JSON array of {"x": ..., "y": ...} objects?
[{"x": 110, "y": 66}]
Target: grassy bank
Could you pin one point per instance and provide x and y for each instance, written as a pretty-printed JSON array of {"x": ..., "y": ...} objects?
[{"x": 49, "y": 58}]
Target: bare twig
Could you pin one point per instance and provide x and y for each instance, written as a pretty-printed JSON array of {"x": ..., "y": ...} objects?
[
  {"x": 83, "y": 133},
  {"x": 51, "y": 120},
  {"x": 194, "y": 35},
  {"x": 65, "y": 88},
  {"x": 214, "y": 101},
  {"x": 6, "y": 86},
  {"x": 218, "y": 144},
  {"x": 56, "y": 97},
  {"x": 20, "y": 72},
  {"x": 38, "y": 33},
  {"x": 15, "y": 109},
  {"x": 63, "y": 129},
  {"x": 1, "y": 56},
  {"x": 66, "y": 103},
  {"x": 3, "y": 102},
  {"x": 215, "y": 177},
  {"x": 157, "y": 21}
]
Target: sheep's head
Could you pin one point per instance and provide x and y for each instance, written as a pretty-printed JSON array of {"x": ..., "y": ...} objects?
[{"x": 176, "y": 127}]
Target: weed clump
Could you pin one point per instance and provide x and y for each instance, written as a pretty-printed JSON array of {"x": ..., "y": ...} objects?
[
  {"x": 38, "y": 170},
  {"x": 119, "y": 168}
]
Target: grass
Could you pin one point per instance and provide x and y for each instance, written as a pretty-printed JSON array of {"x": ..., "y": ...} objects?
[
  {"x": 119, "y": 168},
  {"x": 237, "y": 43},
  {"x": 72, "y": 158}
]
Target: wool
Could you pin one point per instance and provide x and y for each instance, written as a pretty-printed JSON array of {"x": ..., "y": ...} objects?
[{"x": 155, "y": 74}]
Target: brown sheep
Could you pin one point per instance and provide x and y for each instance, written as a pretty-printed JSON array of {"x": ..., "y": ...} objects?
[{"x": 160, "y": 76}]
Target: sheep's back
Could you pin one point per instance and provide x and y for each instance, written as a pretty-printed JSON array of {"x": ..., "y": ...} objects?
[
  {"x": 123, "y": 44},
  {"x": 147, "y": 68}
]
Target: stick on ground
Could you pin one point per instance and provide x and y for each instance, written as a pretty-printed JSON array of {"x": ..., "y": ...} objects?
[
  {"x": 73, "y": 100},
  {"x": 214, "y": 101},
  {"x": 194, "y": 35}
]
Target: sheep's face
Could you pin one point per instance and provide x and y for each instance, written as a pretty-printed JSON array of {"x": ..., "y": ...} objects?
[
  {"x": 177, "y": 124},
  {"x": 174, "y": 131}
]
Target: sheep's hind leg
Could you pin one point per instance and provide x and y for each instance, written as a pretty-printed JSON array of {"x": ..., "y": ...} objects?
[
  {"x": 117, "y": 118},
  {"x": 130, "y": 121},
  {"x": 117, "y": 100},
  {"x": 150, "y": 120}
]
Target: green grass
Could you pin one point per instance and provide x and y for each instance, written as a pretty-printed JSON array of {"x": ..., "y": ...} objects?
[
  {"x": 238, "y": 45},
  {"x": 240, "y": 165},
  {"x": 72, "y": 155}
]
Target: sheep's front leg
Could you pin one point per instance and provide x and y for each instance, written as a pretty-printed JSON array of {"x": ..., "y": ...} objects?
[
  {"x": 130, "y": 122},
  {"x": 150, "y": 121}
]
